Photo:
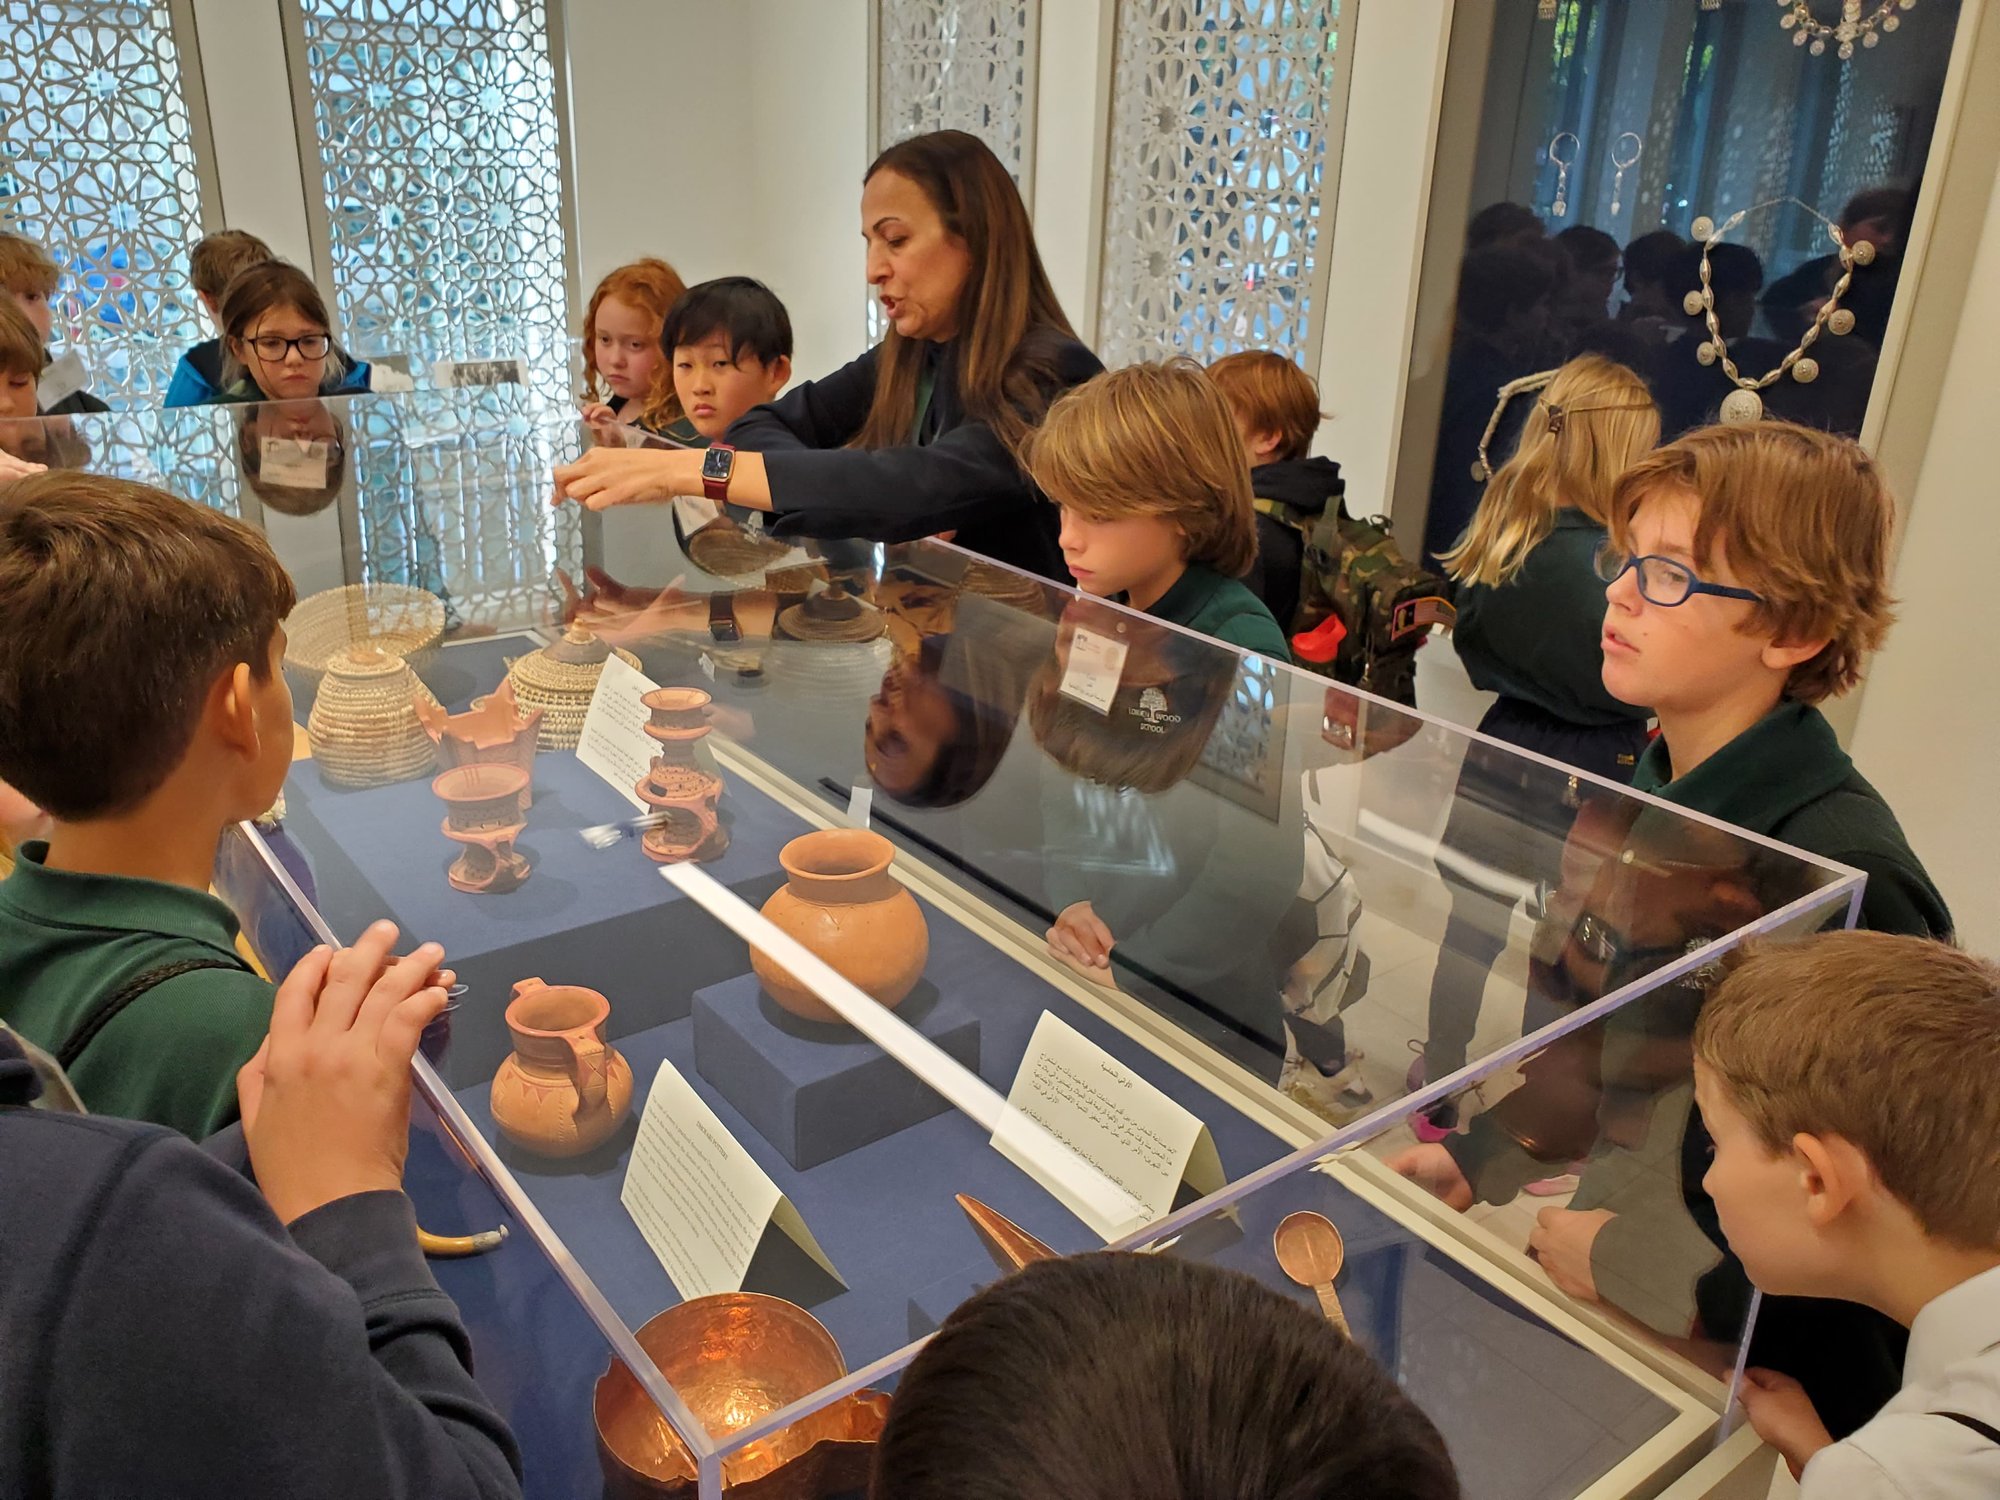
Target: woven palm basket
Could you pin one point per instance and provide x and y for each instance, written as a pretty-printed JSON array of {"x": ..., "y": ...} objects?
[
  {"x": 391, "y": 617},
  {"x": 559, "y": 680},
  {"x": 364, "y": 725}
]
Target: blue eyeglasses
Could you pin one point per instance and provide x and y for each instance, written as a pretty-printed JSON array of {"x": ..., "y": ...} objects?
[{"x": 1663, "y": 581}]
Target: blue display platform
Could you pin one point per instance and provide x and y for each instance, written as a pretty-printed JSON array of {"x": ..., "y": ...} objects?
[{"x": 817, "y": 1090}]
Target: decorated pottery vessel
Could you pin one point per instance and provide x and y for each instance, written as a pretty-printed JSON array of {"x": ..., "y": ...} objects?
[
  {"x": 684, "y": 792},
  {"x": 565, "y": 1089},
  {"x": 485, "y": 811},
  {"x": 491, "y": 732}
]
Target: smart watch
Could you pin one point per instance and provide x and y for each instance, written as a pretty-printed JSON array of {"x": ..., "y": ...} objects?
[
  {"x": 722, "y": 624},
  {"x": 716, "y": 467}
]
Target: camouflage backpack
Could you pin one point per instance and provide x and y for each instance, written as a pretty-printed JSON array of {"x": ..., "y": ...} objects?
[{"x": 1353, "y": 571}]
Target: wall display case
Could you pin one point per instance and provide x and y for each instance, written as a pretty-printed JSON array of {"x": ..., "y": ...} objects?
[
  {"x": 1670, "y": 185},
  {"x": 781, "y": 1013}
]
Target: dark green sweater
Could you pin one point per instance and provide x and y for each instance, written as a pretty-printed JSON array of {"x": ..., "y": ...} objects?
[
  {"x": 1223, "y": 609},
  {"x": 1537, "y": 637},
  {"x": 68, "y": 941},
  {"x": 1787, "y": 778}
]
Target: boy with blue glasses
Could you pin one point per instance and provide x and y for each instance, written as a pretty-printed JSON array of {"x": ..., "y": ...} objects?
[{"x": 1747, "y": 582}]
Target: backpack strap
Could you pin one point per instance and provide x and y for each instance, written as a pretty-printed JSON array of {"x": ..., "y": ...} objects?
[
  {"x": 107, "y": 1010},
  {"x": 1984, "y": 1429}
]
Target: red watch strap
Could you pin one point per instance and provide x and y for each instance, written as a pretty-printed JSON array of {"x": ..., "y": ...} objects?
[{"x": 718, "y": 489}]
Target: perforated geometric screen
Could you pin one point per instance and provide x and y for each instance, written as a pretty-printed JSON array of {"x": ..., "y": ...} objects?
[
  {"x": 1213, "y": 225},
  {"x": 957, "y": 65},
  {"x": 97, "y": 161},
  {"x": 440, "y": 152}
]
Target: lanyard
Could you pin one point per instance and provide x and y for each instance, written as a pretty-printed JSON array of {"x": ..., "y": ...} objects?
[{"x": 926, "y": 388}]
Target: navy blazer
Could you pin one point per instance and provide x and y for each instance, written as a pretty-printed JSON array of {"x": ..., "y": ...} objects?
[{"x": 958, "y": 476}]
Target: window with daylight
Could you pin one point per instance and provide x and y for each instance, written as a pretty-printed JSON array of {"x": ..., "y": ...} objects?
[
  {"x": 98, "y": 162},
  {"x": 957, "y": 65},
  {"x": 1225, "y": 132},
  {"x": 439, "y": 141}
]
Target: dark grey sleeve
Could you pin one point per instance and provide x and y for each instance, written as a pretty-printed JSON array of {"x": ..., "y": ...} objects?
[{"x": 201, "y": 1350}]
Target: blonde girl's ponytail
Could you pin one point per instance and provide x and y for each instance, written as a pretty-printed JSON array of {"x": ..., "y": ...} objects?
[{"x": 1593, "y": 419}]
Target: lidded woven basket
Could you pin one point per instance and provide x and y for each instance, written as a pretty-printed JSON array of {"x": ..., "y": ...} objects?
[
  {"x": 364, "y": 725},
  {"x": 559, "y": 680}
]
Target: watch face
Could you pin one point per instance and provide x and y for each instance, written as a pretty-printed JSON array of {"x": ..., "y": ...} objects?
[{"x": 717, "y": 463}]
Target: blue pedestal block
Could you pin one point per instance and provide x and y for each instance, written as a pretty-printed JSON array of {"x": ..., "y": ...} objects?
[{"x": 817, "y": 1091}]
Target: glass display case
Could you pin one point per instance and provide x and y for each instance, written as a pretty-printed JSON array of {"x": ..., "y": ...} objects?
[{"x": 779, "y": 878}]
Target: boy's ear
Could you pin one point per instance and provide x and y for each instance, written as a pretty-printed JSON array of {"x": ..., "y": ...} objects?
[
  {"x": 780, "y": 371},
  {"x": 232, "y": 710},
  {"x": 1264, "y": 446},
  {"x": 1782, "y": 656},
  {"x": 1833, "y": 1174}
]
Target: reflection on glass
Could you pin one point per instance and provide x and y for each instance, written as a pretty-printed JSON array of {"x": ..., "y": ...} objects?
[{"x": 1680, "y": 113}]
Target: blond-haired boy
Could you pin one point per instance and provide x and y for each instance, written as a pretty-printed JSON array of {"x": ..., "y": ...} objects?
[
  {"x": 1848, "y": 1085},
  {"x": 1147, "y": 469}
]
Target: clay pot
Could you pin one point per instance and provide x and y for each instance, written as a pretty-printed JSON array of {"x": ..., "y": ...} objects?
[
  {"x": 682, "y": 790},
  {"x": 565, "y": 1089},
  {"x": 840, "y": 900}
]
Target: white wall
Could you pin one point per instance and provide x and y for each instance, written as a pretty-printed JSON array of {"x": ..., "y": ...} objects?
[
  {"x": 1929, "y": 729},
  {"x": 730, "y": 140}
]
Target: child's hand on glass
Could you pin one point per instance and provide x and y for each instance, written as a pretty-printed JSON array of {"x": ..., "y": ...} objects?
[
  {"x": 326, "y": 1100},
  {"x": 1783, "y": 1415},
  {"x": 1081, "y": 940}
]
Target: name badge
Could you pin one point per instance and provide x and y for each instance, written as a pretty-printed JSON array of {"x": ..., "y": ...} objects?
[
  {"x": 63, "y": 378},
  {"x": 1096, "y": 663},
  {"x": 293, "y": 463}
]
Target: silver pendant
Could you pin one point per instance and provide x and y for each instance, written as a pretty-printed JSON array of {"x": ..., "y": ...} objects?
[
  {"x": 1693, "y": 303},
  {"x": 1559, "y": 208},
  {"x": 1705, "y": 353},
  {"x": 1702, "y": 228},
  {"x": 1741, "y": 406},
  {"x": 1839, "y": 321},
  {"x": 1806, "y": 371}
]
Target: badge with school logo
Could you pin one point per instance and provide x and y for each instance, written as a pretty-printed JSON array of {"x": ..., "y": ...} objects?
[{"x": 1152, "y": 712}]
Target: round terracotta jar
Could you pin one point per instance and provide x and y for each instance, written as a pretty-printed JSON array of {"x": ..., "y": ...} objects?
[
  {"x": 840, "y": 900},
  {"x": 565, "y": 1089}
]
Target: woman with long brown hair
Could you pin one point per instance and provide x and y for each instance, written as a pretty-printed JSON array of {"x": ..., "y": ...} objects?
[{"x": 923, "y": 433}]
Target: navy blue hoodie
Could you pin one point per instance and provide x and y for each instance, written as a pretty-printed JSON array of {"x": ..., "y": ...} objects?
[{"x": 163, "y": 1335}]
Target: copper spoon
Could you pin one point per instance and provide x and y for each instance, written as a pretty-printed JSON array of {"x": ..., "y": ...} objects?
[{"x": 1311, "y": 1253}]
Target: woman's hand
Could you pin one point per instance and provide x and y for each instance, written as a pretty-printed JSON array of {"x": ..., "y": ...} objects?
[
  {"x": 605, "y": 477},
  {"x": 12, "y": 468}
]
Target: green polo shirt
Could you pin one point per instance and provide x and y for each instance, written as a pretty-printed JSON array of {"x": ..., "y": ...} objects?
[
  {"x": 1787, "y": 778},
  {"x": 67, "y": 941},
  {"x": 1222, "y": 608}
]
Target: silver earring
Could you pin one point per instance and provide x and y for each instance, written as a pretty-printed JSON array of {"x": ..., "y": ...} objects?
[
  {"x": 1624, "y": 165},
  {"x": 1561, "y": 206}
]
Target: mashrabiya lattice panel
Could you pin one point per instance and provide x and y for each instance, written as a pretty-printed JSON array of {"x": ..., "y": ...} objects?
[
  {"x": 1218, "y": 146},
  {"x": 440, "y": 154},
  {"x": 99, "y": 161}
]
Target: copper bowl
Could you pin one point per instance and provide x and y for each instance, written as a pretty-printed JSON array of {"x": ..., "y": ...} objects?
[{"x": 734, "y": 1358}]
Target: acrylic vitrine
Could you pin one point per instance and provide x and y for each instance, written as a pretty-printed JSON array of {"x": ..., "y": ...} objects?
[{"x": 604, "y": 760}]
